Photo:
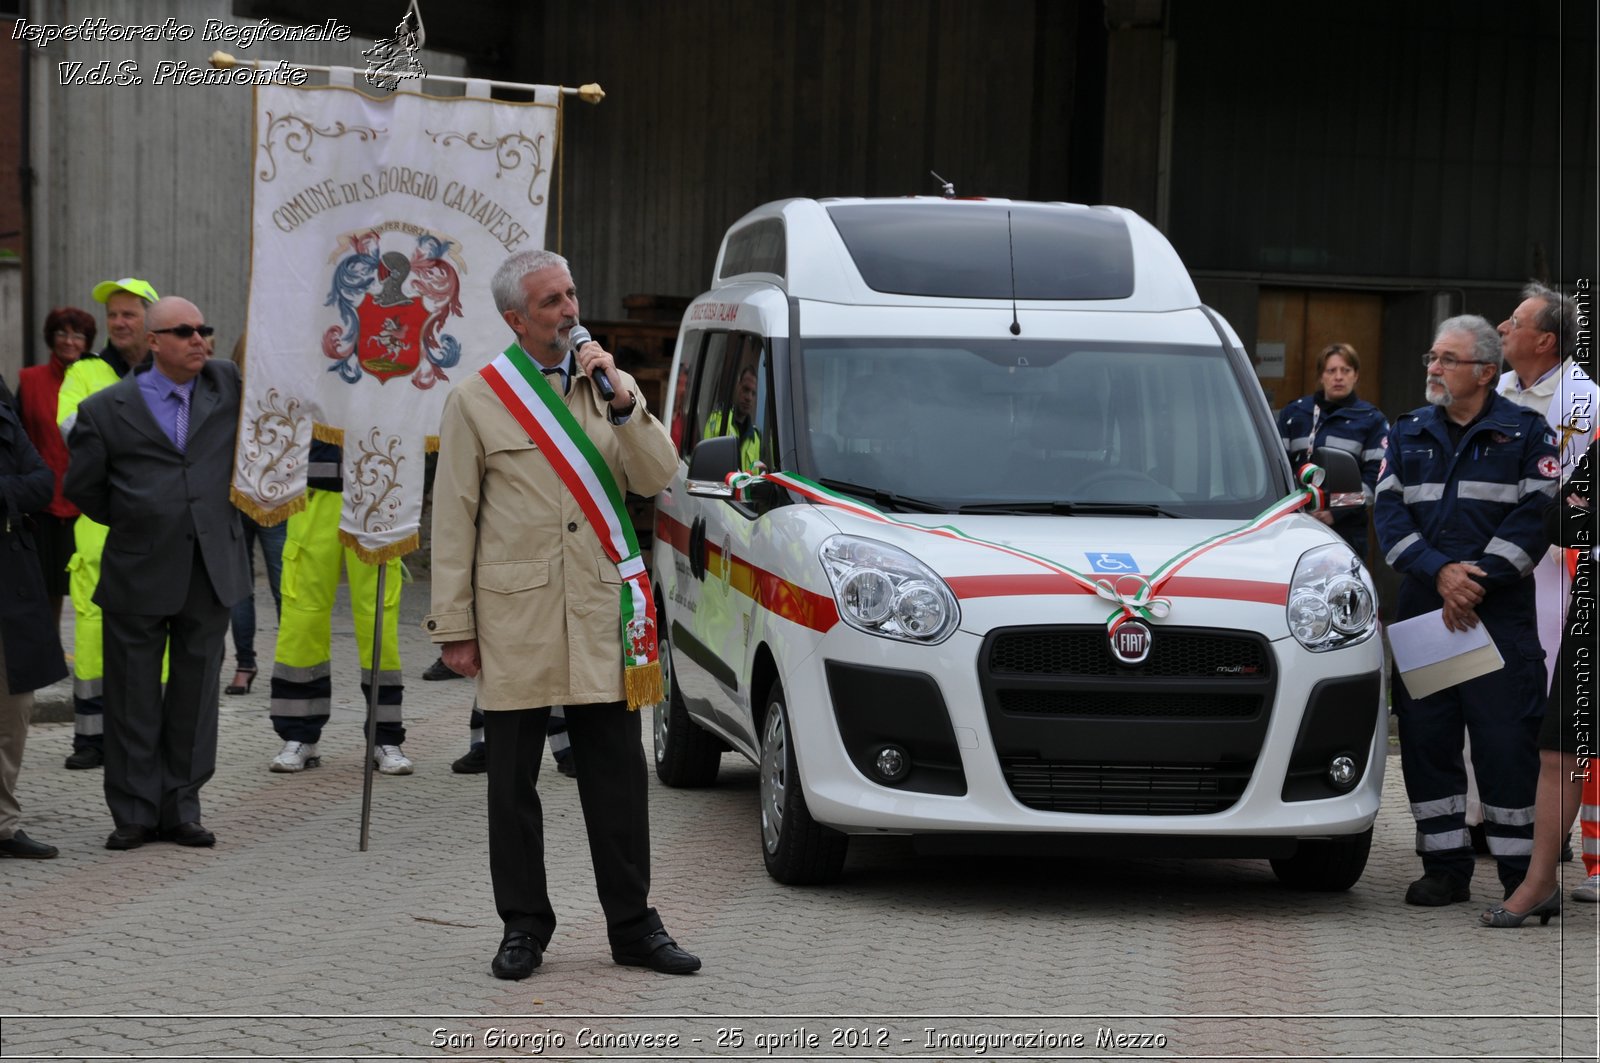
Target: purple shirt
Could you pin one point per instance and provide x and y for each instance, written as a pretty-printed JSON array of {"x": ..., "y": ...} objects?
[{"x": 162, "y": 396}]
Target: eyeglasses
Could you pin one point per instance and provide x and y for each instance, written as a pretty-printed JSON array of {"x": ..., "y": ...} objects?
[
  {"x": 183, "y": 332},
  {"x": 1448, "y": 362},
  {"x": 68, "y": 334}
]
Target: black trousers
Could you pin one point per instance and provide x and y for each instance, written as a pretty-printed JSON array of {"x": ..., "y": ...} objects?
[
  {"x": 611, "y": 789},
  {"x": 161, "y": 744}
]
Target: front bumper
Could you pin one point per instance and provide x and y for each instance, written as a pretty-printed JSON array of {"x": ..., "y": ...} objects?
[{"x": 1046, "y": 742}]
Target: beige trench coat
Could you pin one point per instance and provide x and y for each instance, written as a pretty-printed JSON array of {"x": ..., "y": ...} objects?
[{"x": 516, "y": 564}]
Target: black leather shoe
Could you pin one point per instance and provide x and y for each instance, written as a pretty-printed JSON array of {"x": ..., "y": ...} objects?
[
  {"x": 87, "y": 757},
  {"x": 565, "y": 766},
  {"x": 658, "y": 952},
  {"x": 439, "y": 670},
  {"x": 519, "y": 954},
  {"x": 25, "y": 848},
  {"x": 1438, "y": 888},
  {"x": 191, "y": 834},
  {"x": 474, "y": 761},
  {"x": 130, "y": 837}
]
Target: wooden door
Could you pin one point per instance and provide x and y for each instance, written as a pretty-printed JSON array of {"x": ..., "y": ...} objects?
[{"x": 1297, "y": 324}]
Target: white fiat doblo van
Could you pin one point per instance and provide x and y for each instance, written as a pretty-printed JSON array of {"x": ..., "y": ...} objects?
[{"x": 1022, "y": 578}]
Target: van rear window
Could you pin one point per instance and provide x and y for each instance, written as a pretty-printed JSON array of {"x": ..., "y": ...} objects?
[{"x": 962, "y": 250}]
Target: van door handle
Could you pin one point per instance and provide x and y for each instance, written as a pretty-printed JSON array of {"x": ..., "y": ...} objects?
[{"x": 697, "y": 549}]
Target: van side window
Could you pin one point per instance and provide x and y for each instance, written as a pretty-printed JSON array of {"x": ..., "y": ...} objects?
[
  {"x": 743, "y": 405},
  {"x": 692, "y": 343},
  {"x": 710, "y": 391}
]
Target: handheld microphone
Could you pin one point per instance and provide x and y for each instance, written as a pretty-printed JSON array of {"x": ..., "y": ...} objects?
[{"x": 578, "y": 336}]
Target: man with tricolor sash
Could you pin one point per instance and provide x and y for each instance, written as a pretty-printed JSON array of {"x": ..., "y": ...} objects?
[{"x": 540, "y": 592}]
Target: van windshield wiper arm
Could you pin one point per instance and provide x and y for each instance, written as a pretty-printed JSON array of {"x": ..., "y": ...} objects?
[
  {"x": 878, "y": 496},
  {"x": 1065, "y": 508}
]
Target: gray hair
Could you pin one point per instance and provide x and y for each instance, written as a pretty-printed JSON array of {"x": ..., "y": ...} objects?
[
  {"x": 1559, "y": 316},
  {"x": 507, "y": 283},
  {"x": 1485, "y": 340}
]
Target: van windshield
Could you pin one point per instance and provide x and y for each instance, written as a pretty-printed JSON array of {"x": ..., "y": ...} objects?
[{"x": 1033, "y": 426}]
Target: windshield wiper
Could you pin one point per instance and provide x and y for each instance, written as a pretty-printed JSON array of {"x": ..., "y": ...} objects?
[
  {"x": 878, "y": 496},
  {"x": 1065, "y": 508}
]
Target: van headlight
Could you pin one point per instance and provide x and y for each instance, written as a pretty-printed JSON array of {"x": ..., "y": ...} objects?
[
  {"x": 1331, "y": 601},
  {"x": 882, "y": 590}
]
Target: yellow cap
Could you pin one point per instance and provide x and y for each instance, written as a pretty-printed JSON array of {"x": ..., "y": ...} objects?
[{"x": 132, "y": 285}]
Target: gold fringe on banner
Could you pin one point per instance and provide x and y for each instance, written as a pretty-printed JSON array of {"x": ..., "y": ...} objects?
[
  {"x": 262, "y": 515},
  {"x": 325, "y": 434},
  {"x": 431, "y": 444},
  {"x": 643, "y": 684},
  {"x": 382, "y": 554}
]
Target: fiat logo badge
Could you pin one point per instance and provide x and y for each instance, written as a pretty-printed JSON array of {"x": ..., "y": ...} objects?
[{"x": 1130, "y": 642}]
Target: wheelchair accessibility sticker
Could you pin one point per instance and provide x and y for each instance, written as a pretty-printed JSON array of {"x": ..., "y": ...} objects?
[{"x": 1104, "y": 562}]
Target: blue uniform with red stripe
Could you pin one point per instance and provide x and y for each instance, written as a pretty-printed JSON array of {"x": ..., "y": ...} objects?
[{"x": 1479, "y": 499}]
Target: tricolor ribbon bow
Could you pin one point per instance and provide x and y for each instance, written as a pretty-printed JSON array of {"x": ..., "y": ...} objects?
[
  {"x": 1141, "y": 601},
  {"x": 1311, "y": 477}
]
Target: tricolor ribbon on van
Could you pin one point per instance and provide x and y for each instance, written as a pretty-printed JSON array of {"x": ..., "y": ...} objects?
[{"x": 1134, "y": 595}]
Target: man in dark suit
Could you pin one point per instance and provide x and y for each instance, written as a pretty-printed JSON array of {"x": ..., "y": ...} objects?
[{"x": 152, "y": 457}]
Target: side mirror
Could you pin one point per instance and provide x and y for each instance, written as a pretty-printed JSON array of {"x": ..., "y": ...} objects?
[
  {"x": 1341, "y": 479},
  {"x": 709, "y": 465}
]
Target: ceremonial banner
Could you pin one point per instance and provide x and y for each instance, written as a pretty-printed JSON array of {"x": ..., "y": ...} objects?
[{"x": 376, "y": 226}]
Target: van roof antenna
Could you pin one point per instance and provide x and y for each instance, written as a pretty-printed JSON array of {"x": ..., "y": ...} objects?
[
  {"x": 1016, "y": 326},
  {"x": 949, "y": 189}
]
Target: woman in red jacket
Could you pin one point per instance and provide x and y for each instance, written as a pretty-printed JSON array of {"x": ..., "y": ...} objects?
[{"x": 68, "y": 332}]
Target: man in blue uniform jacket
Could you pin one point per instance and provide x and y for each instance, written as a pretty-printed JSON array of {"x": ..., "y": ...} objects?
[{"x": 1460, "y": 517}]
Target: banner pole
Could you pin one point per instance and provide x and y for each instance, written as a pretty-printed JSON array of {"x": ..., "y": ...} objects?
[
  {"x": 372, "y": 706},
  {"x": 590, "y": 93}
]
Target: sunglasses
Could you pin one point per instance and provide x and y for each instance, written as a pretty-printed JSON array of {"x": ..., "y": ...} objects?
[{"x": 183, "y": 332}]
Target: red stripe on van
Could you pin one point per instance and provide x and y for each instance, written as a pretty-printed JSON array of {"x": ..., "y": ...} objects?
[
  {"x": 1233, "y": 590},
  {"x": 783, "y": 598}
]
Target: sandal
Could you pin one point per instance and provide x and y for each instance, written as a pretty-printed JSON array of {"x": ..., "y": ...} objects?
[{"x": 237, "y": 687}]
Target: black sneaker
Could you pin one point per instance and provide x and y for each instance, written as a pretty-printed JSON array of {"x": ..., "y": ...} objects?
[
  {"x": 87, "y": 757},
  {"x": 474, "y": 762},
  {"x": 439, "y": 670},
  {"x": 1438, "y": 888}
]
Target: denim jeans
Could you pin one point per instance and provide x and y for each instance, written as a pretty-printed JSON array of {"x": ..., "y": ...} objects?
[{"x": 244, "y": 613}]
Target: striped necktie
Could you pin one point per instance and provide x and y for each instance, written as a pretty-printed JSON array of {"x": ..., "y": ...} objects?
[{"x": 180, "y": 429}]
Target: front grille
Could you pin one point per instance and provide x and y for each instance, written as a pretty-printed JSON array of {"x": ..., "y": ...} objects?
[
  {"x": 1086, "y": 651},
  {"x": 1076, "y": 731},
  {"x": 1125, "y": 789},
  {"x": 1131, "y": 705}
]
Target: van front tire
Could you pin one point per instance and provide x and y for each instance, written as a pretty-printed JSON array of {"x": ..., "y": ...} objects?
[
  {"x": 797, "y": 849},
  {"x": 687, "y": 755},
  {"x": 1327, "y": 865}
]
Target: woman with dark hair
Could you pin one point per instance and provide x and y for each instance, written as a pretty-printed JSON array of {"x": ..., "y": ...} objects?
[
  {"x": 30, "y": 646},
  {"x": 1335, "y": 416},
  {"x": 68, "y": 332},
  {"x": 1569, "y": 717}
]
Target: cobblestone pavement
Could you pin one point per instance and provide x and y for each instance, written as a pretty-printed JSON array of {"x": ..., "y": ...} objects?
[{"x": 286, "y": 942}]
